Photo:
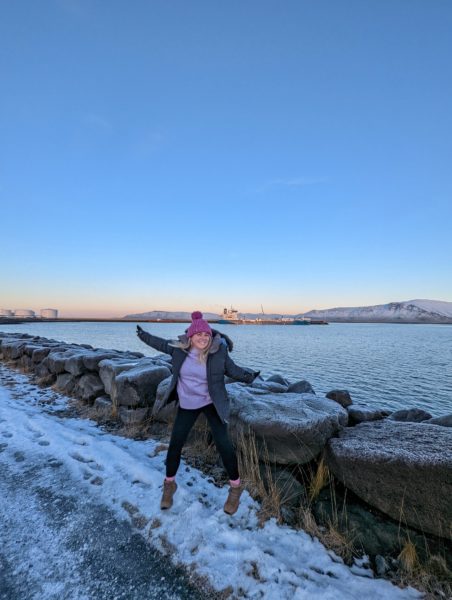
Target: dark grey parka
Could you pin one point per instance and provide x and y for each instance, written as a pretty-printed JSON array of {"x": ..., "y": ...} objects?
[{"x": 218, "y": 365}]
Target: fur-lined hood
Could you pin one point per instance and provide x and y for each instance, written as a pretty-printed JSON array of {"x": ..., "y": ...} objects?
[{"x": 218, "y": 338}]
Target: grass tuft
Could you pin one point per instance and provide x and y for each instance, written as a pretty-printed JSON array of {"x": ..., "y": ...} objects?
[
  {"x": 408, "y": 557},
  {"x": 319, "y": 481}
]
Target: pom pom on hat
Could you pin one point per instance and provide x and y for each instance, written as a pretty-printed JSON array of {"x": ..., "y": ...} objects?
[{"x": 198, "y": 324}]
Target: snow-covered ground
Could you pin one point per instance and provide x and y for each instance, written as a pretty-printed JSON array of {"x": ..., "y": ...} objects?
[{"x": 125, "y": 476}]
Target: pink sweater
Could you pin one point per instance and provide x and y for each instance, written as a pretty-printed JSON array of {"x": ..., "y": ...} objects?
[{"x": 192, "y": 383}]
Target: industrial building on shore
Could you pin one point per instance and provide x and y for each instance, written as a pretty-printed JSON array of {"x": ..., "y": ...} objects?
[{"x": 21, "y": 313}]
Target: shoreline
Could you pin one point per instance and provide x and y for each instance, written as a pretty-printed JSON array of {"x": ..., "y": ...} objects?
[{"x": 13, "y": 321}]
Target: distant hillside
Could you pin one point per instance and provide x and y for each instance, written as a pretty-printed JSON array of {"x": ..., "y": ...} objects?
[
  {"x": 411, "y": 311},
  {"x": 166, "y": 314}
]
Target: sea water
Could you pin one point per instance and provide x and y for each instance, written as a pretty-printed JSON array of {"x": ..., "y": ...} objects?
[{"x": 383, "y": 365}]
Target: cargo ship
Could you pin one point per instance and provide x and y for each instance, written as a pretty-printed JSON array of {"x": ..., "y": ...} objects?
[{"x": 231, "y": 316}]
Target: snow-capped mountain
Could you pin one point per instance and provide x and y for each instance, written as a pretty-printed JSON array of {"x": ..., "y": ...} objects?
[{"x": 410, "y": 311}]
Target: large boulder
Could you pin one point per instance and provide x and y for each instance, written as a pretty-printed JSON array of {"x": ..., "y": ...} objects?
[
  {"x": 55, "y": 361},
  {"x": 92, "y": 359},
  {"x": 40, "y": 353},
  {"x": 89, "y": 387},
  {"x": 133, "y": 416},
  {"x": 103, "y": 406},
  {"x": 403, "y": 469},
  {"x": 301, "y": 387},
  {"x": 163, "y": 412},
  {"x": 74, "y": 364},
  {"x": 269, "y": 386},
  {"x": 30, "y": 347},
  {"x": 13, "y": 349},
  {"x": 444, "y": 421},
  {"x": 109, "y": 368},
  {"x": 25, "y": 363},
  {"x": 138, "y": 386},
  {"x": 65, "y": 383},
  {"x": 294, "y": 428},
  {"x": 276, "y": 378},
  {"x": 341, "y": 396},
  {"x": 410, "y": 415},
  {"x": 360, "y": 414}
]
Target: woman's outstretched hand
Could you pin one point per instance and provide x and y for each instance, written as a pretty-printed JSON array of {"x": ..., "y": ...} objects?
[{"x": 140, "y": 332}]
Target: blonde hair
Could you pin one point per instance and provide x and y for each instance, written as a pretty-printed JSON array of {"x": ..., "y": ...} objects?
[{"x": 187, "y": 345}]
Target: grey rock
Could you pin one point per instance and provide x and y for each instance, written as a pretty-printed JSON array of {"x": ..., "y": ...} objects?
[
  {"x": 163, "y": 363},
  {"x": 109, "y": 368},
  {"x": 13, "y": 349},
  {"x": 445, "y": 421},
  {"x": 403, "y": 469},
  {"x": 103, "y": 406},
  {"x": 293, "y": 427},
  {"x": 381, "y": 565},
  {"x": 360, "y": 414},
  {"x": 301, "y": 387},
  {"x": 269, "y": 386},
  {"x": 40, "y": 353},
  {"x": 341, "y": 396},
  {"x": 160, "y": 411},
  {"x": 29, "y": 348},
  {"x": 65, "y": 383},
  {"x": 41, "y": 371},
  {"x": 26, "y": 363},
  {"x": 138, "y": 386},
  {"x": 291, "y": 492},
  {"x": 89, "y": 387},
  {"x": 276, "y": 378},
  {"x": 410, "y": 415},
  {"x": 91, "y": 360},
  {"x": 371, "y": 531},
  {"x": 74, "y": 364},
  {"x": 55, "y": 361},
  {"x": 46, "y": 380},
  {"x": 132, "y": 416}
]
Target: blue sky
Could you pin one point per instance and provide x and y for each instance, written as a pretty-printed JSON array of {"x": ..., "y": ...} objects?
[{"x": 182, "y": 155}]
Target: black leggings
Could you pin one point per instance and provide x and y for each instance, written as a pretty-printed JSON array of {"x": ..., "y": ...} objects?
[{"x": 185, "y": 419}]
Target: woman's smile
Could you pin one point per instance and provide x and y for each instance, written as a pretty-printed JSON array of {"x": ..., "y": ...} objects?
[{"x": 200, "y": 341}]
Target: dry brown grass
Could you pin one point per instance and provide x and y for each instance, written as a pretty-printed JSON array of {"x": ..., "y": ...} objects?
[
  {"x": 332, "y": 537},
  {"x": 408, "y": 557},
  {"x": 432, "y": 577},
  {"x": 259, "y": 481},
  {"x": 319, "y": 481}
]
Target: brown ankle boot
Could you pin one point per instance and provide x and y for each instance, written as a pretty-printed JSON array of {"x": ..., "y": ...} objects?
[
  {"x": 169, "y": 488},
  {"x": 232, "y": 503}
]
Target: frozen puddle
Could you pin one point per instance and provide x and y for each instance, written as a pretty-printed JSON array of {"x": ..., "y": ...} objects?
[{"x": 126, "y": 476}]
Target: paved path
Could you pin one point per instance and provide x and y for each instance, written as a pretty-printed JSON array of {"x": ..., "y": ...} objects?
[{"x": 57, "y": 543}]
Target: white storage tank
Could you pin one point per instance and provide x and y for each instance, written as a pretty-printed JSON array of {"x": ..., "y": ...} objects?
[
  {"x": 49, "y": 313},
  {"x": 22, "y": 312},
  {"x": 5, "y": 312}
]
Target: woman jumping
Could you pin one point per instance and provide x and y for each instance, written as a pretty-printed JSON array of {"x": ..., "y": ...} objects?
[{"x": 200, "y": 360}]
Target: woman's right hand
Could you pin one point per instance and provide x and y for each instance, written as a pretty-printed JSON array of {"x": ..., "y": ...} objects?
[{"x": 140, "y": 331}]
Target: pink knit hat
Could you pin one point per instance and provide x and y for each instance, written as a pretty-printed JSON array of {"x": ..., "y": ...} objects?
[{"x": 198, "y": 324}]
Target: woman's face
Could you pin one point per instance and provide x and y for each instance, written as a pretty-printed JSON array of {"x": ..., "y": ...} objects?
[{"x": 200, "y": 341}]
